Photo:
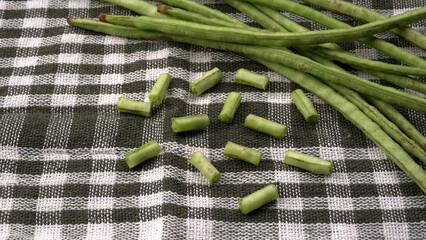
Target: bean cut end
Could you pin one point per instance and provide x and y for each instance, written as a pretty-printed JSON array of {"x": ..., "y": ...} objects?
[{"x": 304, "y": 161}]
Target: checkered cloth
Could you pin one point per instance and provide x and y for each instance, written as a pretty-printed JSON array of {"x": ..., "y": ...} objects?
[{"x": 62, "y": 141}]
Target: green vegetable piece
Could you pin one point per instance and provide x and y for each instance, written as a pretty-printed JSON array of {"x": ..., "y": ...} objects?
[
  {"x": 199, "y": 161},
  {"x": 196, "y": 7},
  {"x": 190, "y": 123},
  {"x": 207, "y": 81},
  {"x": 368, "y": 15},
  {"x": 331, "y": 23},
  {"x": 135, "y": 107},
  {"x": 305, "y": 106},
  {"x": 258, "y": 198},
  {"x": 143, "y": 153},
  {"x": 159, "y": 90},
  {"x": 266, "y": 126},
  {"x": 247, "y": 77},
  {"x": 243, "y": 153},
  {"x": 230, "y": 107},
  {"x": 312, "y": 164}
]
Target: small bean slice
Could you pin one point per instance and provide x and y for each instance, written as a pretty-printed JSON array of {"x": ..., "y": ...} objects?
[
  {"x": 141, "y": 154},
  {"x": 230, "y": 107}
]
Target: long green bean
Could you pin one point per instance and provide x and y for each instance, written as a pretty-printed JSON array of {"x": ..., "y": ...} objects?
[
  {"x": 201, "y": 9},
  {"x": 139, "y": 6},
  {"x": 368, "y": 15},
  {"x": 304, "y": 64},
  {"x": 354, "y": 60},
  {"x": 288, "y": 24},
  {"x": 198, "y": 18},
  {"x": 330, "y": 22},
  {"x": 348, "y": 110},
  {"x": 401, "y": 121},
  {"x": 227, "y": 34}
]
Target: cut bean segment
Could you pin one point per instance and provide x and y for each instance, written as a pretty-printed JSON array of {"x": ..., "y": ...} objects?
[
  {"x": 141, "y": 154},
  {"x": 266, "y": 126},
  {"x": 247, "y": 77},
  {"x": 207, "y": 81},
  {"x": 199, "y": 161},
  {"x": 243, "y": 153},
  {"x": 259, "y": 198},
  {"x": 230, "y": 107},
  {"x": 190, "y": 123},
  {"x": 135, "y": 107},
  {"x": 159, "y": 90},
  {"x": 312, "y": 164},
  {"x": 305, "y": 106}
]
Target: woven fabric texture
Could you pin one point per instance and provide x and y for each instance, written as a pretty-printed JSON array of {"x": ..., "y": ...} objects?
[{"x": 63, "y": 173}]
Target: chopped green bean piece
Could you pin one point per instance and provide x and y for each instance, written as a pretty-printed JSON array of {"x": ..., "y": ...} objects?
[
  {"x": 313, "y": 164},
  {"x": 190, "y": 123},
  {"x": 139, "y": 155},
  {"x": 159, "y": 90},
  {"x": 266, "y": 126},
  {"x": 135, "y": 107},
  {"x": 305, "y": 106},
  {"x": 243, "y": 153},
  {"x": 247, "y": 77},
  {"x": 259, "y": 198},
  {"x": 207, "y": 81},
  {"x": 199, "y": 161},
  {"x": 230, "y": 107}
]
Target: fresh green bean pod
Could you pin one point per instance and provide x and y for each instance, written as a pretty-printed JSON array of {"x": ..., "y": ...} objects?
[
  {"x": 143, "y": 153},
  {"x": 190, "y": 123},
  {"x": 278, "y": 20},
  {"x": 202, "y": 10},
  {"x": 331, "y": 23},
  {"x": 199, "y": 161},
  {"x": 230, "y": 107},
  {"x": 135, "y": 107},
  {"x": 399, "y": 120},
  {"x": 116, "y": 30},
  {"x": 198, "y": 18},
  {"x": 266, "y": 126},
  {"x": 139, "y": 6},
  {"x": 159, "y": 90},
  {"x": 246, "y": 77},
  {"x": 246, "y": 154},
  {"x": 368, "y": 15},
  {"x": 312, "y": 164},
  {"x": 259, "y": 198},
  {"x": 354, "y": 60},
  {"x": 228, "y": 34},
  {"x": 208, "y": 80},
  {"x": 305, "y": 106}
]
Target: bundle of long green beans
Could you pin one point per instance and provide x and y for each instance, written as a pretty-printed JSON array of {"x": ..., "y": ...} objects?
[{"x": 190, "y": 22}]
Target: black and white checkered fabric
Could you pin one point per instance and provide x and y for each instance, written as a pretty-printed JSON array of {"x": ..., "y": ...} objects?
[{"x": 62, "y": 141}]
